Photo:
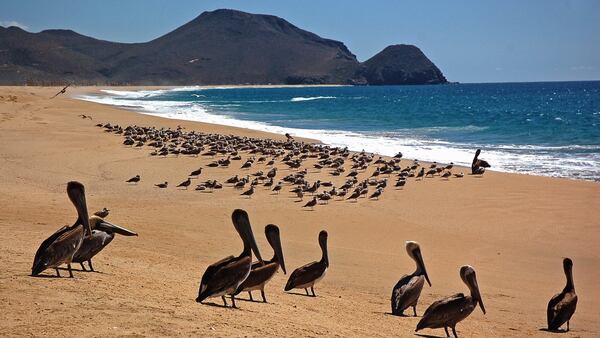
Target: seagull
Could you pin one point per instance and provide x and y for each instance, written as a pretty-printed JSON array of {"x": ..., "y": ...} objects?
[
  {"x": 248, "y": 192},
  {"x": 185, "y": 183},
  {"x": 135, "y": 179},
  {"x": 102, "y": 213},
  {"x": 162, "y": 185},
  {"x": 311, "y": 204},
  {"x": 62, "y": 91}
]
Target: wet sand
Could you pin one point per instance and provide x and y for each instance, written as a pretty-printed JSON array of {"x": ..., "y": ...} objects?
[{"x": 513, "y": 229}]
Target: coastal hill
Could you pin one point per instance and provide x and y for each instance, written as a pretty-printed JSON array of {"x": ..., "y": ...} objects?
[
  {"x": 219, "y": 47},
  {"x": 401, "y": 64}
]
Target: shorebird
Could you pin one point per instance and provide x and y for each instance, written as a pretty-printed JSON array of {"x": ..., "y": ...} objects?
[
  {"x": 376, "y": 193},
  {"x": 135, "y": 179},
  {"x": 311, "y": 204},
  {"x": 308, "y": 275},
  {"x": 162, "y": 185},
  {"x": 225, "y": 276},
  {"x": 196, "y": 172},
  {"x": 407, "y": 291},
  {"x": 459, "y": 175},
  {"x": 103, "y": 233},
  {"x": 61, "y": 246},
  {"x": 431, "y": 172},
  {"x": 278, "y": 187},
  {"x": 446, "y": 174},
  {"x": 102, "y": 213},
  {"x": 400, "y": 183},
  {"x": 421, "y": 173},
  {"x": 451, "y": 310},
  {"x": 248, "y": 192},
  {"x": 185, "y": 184},
  {"x": 261, "y": 274},
  {"x": 562, "y": 306},
  {"x": 355, "y": 195}
]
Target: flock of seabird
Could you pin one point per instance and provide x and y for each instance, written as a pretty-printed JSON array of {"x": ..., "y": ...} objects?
[
  {"x": 233, "y": 275},
  {"x": 292, "y": 155}
]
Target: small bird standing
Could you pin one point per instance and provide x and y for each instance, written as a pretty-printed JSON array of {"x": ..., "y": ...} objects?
[
  {"x": 102, "y": 213},
  {"x": 185, "y": 184},
  {"x": 135, "y": 179},
  {"x": 248, "y": 192},
  {"x": 311, "y": 204}
]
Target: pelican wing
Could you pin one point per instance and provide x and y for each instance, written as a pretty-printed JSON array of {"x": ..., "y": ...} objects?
[
  {"x": 223, "y": 275},
  {"x": 305, "y": 274},
  {"x": 258, "y": 274},
  {"x": 92, "y": 245},
  {"x": 442, "y": 311},
  {"x": 59, "y": 248},
  {"x": 560, "y": 309},
  {"x": 406, "y": 292}
]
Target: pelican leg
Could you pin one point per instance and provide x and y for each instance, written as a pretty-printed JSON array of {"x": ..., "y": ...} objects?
[
  {"x": 446, "y": 329},
  {"x": 305, "y": 289},
  {"x": 70, "y": 271},
  {"x": 90, "y": 264},
  {"x": 414, "y": 310},
  {"x": 57, "y": 272},
  {"x": 250, "y": 294},
  {"x": 224, "y": 301},
  {"x": 454, "y": 332},
  {"x": 568, "y": 325},
  {"x": 82, "y": 266},
  {"x": 233, "y": 301},
  {"x": 262, "y": 292},
  {"x": 313, "y": 291}
]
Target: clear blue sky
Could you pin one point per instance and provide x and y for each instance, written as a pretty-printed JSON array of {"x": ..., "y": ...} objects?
[{"x": 471, "y": 41}]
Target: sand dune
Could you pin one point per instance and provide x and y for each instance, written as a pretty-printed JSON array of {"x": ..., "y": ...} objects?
[{"x": 513, "y": 229}]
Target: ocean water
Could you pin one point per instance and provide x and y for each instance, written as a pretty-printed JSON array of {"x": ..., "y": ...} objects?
[{"x": 550, "y": 128}]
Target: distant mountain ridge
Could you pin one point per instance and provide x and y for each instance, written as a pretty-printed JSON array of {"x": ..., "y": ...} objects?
[{"x": 219, "y": 47}]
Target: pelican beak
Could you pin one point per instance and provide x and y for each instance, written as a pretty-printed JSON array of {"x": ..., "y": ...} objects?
[
  {"x": 422, "y": 265},
  {"x": 109, "y": 227},
  {"x": 473, "y": 282},
  {"x": 481, "y": 305},
  {"x": 242, "y": 224}
]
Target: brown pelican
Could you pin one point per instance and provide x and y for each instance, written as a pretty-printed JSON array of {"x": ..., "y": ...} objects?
[
  {"x": 449, "y": 311},
  {"x": 261, "y": 274},
  {"x": 103, "y": 233},
  {"x": 478, "y": 166},
  {"x": 562, "y": 306},
  {"x": 308, "y": 275},
  {"x": 60, "y": 247},
  {"x": 408, "y": 289},
  {"x": 62, "y": 91},
  {"x": 225, "y": 276}
]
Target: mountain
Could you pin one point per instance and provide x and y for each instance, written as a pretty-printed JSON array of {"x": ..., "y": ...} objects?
[
  {"x": 401, "y": 64},
  {"x": 219, "y": 47}
]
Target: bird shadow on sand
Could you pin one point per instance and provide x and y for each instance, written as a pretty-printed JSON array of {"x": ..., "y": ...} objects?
[
  {"x": 553, "y": 331},
  {"x": 300, "y": 294},
  {"x": 429, "y": 335}
]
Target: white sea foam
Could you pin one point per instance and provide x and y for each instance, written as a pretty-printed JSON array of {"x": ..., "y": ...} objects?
[
  {"x": 311, "y": 98},
  {"x": 528, "y": 159}
]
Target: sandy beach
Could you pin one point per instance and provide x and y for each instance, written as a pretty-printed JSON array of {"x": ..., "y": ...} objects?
[{"x": 513, "y": 229}]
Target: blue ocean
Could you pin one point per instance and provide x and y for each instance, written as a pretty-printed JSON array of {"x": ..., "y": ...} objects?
[{"x": 546, "y": 128}]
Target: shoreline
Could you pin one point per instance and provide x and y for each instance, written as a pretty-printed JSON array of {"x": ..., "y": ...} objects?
[
  {"x": 513, "y": 229},
  {"x": 267, "y": 128}
]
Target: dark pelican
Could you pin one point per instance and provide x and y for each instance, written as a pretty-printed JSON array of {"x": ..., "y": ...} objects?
[
  {"x": 562, "y": 306},
  {"x": 408, "y": 289},
  {"x": 478, "y": 166},
  {"x": 308, "y": 275},
  {"x": 103, "y": 233},
  {"x": 225, "y": 276},
  {"x": 449, "y": 311},
  {"x": 61, "y": 246},
  {"x": 261, "y": 274}
]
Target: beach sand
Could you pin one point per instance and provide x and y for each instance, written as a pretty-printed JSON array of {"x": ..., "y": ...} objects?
[{"x": 513, "y": 229}]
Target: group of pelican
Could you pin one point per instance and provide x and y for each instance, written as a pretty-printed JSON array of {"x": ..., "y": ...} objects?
[
  {"x": 449, "y": 311},
  {"x": 77, "y": 243},
  {"x": 235, "y": 274}
]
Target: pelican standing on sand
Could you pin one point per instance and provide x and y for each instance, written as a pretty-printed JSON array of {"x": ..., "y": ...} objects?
[
  {"x": 449, "y": 311},
  {"x": 478, "y": 166},
  {"x": 225, "y": 276},
  {"x": 261, "y": 274},
  {"x": 103, "y": 233},
  {"x": 408, "y": 289},
  {"x": 308, "y": 275},
  {"x": 61, "y": 246},
  {"x": 562, "y": 306}
]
